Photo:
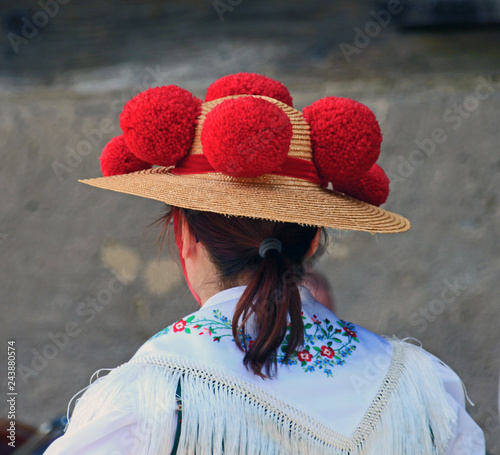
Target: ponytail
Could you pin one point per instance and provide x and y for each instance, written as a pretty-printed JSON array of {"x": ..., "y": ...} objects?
[{"x": 271, "y": 298}]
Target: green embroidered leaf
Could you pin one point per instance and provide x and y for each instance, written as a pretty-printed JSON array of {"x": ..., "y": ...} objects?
[
  {"x": 190, "y": 318},
  {"x": 284, "y": 348},
  {"x": 287, "y": 338},
  {"x": 330, "y": 328},
  {"x": 307, "y": 348},
  {"x": 337, "y": 357},
  {"x": 316, "y": 348},
  {"x": 355, "y": 339},
  {"x": 187, "y": 330},
  {"x": 308, "y": 325},
  {"x": 304, "y": 363},
  {"x": 336, "y": 340},
  {"x": 329, "y": 343},
  {"x": 339, "y": 323}
]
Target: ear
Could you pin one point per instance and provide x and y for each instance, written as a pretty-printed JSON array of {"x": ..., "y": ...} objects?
[
  {"x": 188, "y": 240},
  {"x": 314, "y": 244}
]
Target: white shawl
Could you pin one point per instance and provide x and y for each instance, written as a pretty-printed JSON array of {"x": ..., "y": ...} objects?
[{"x": 346, "y": 391}]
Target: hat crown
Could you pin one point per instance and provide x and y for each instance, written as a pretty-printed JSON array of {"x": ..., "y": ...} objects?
[{"x": 300, "y": 144}]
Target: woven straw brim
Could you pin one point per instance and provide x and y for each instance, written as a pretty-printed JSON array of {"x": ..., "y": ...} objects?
[{"x": 269, "y": 197}]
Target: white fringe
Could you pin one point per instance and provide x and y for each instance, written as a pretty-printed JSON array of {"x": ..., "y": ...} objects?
[
  {"x": 221, "y": 414},
  {"x": 148, "y": 392},
  {"x": 417, "y": 418}
]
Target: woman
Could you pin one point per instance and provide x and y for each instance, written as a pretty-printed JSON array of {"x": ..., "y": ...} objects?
[{"x": 262, "y": 367}]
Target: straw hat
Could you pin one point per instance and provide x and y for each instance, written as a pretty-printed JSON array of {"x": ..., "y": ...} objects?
[{"x": 246, "y": 151}]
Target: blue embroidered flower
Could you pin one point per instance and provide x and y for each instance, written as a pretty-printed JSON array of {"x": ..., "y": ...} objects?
[
  {"x": 310, "y": 368},
  {"x": 160, "y": 333}
]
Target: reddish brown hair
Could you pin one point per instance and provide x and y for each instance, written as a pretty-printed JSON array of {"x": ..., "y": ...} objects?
[{"x": 271, "y": 295}]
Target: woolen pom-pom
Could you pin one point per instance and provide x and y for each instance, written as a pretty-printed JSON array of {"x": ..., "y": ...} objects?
[
  {"x": 116, "y": 158},
  {"x": 372, "y": 187},
  {"x": 159, "y": 124},
  {"x": 345, "y": 137},
  {"x": 246, "y": 137},
  {"x": 248, "y": 84}
]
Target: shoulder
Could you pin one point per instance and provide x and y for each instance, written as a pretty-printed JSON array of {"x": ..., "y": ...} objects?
[{"x": 429, "y": 387}]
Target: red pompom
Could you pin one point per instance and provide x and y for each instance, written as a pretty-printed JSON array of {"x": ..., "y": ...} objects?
[
  {"x": 246, "y": 137},
  {"x": 372, "y": 187},
  {"x": 248, "y": 84},
  {"x": 116, "y": 158},
  {"x": 159, "y": 124},
  {"x": 345, "y": 137}
]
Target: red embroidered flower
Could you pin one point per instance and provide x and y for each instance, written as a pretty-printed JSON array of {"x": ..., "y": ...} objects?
[
  {"x": 304, "y": 356},
  {"x": 327, "y": 352},
  {"x": 179, "y": 326},
  {"x": 350, "y": 332},
  {"x": 315, "y": 319},
  {"x": 250, "y": 343}
]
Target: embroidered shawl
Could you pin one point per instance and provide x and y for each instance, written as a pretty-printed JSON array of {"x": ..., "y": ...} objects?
[{"x": 345, "y": 391}]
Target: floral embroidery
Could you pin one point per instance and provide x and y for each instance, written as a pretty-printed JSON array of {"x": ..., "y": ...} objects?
[
  {"x": 179, "y": 326},
  {"x": 304, "y": 356},
  {"x": 325, "y": 345},
  {"x": 327, "y": 352}
]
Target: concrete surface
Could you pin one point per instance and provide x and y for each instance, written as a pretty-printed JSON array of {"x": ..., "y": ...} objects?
[{"x": 81, "y": 282}]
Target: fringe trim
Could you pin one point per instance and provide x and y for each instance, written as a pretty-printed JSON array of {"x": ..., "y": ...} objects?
[
  {"x": 147, "y": 394},
  {"x": 222, "y": 414}
]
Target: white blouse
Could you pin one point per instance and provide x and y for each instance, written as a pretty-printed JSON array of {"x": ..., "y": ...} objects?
[{"x": 346, "y": 391}]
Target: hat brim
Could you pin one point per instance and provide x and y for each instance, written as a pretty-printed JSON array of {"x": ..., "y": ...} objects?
[{"x": 268, "y": 197}]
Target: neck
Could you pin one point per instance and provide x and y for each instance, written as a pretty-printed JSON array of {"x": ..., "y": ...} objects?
[{"x": 212, "y": 288}]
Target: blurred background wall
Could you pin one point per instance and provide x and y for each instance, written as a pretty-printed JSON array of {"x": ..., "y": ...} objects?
[{"x": 81, "y": 283}]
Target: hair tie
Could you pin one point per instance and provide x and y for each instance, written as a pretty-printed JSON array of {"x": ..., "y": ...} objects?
[{"x": 269, "y": 244}]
